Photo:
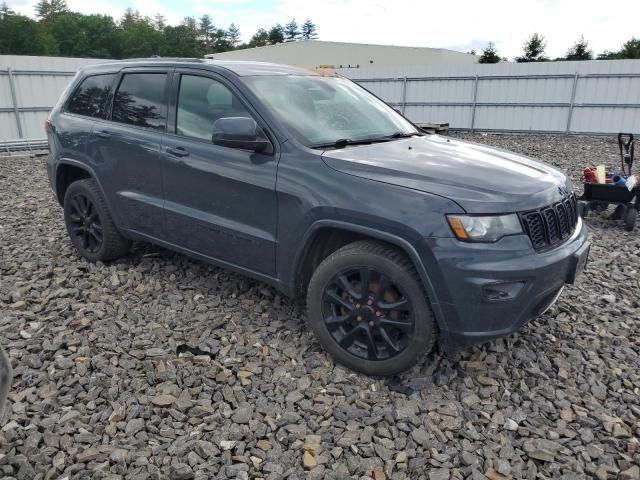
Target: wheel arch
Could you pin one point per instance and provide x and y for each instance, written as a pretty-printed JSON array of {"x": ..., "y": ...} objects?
[
  {"x": 316, "y": 246},
  {"x": 68, "y": 171}
]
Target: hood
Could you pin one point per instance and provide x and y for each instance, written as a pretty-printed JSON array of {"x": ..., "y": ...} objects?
[{"x": 480, "y": 179}]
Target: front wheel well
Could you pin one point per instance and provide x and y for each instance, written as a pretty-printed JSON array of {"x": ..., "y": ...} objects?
[
  {"x": 323, "y": 243},
  {"x": 65, "y": 175}
]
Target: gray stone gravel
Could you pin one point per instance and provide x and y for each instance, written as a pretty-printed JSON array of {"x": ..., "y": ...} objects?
[{"x": 100, "y": 390}]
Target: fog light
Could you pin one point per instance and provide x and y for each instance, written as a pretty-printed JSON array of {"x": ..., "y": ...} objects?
[{"x": 496, "y": 292}]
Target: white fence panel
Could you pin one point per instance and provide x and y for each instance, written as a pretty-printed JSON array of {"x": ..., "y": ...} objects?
[{"x": 594, "y": 97}]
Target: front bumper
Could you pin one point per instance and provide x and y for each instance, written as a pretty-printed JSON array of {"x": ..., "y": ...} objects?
[{"x": 466, "y": 277}]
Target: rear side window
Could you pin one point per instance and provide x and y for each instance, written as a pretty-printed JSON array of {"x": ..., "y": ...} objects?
[
  {"x": 140, "y": 100},
  {"x": 91, "y": 98}
]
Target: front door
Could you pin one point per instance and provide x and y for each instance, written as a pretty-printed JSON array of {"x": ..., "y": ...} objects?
[{"x": 219, "y": 202}]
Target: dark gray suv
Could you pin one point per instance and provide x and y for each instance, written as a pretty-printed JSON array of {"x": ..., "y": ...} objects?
[{"x": 312, "y": 184}]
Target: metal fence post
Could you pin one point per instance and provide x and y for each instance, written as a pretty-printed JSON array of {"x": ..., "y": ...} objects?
[
  {"x": 14, "y": 99},
  {"x": 475, "y": 99},
  {"x": 404, "y": 94},
  {"x": 573, "y": 99}
]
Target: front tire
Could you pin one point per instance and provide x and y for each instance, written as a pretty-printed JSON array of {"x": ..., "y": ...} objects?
[
  {"x": 369, "y": 311},
  {"x": 90, "y": 225}
]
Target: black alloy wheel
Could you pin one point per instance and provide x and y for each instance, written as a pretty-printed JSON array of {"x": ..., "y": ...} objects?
[
  {"x": 368, "y": 309},
  {"x": 85, "y": 223},
  {"x": 90, "y": 225},
  {"x": 367, "y": 314}
]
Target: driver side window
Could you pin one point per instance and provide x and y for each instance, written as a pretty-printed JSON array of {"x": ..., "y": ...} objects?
[{"x": 202, "y": 101}]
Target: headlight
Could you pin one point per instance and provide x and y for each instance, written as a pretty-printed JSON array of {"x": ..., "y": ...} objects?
[{"x": 484, "y": 229}]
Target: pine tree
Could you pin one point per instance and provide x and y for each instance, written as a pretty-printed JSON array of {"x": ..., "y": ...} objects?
[
  {"x": 233, "y": 35},
  {"x": 159, "y": 21},
  {"x": 309, "y": 30},
  {"x": 206, "y": 29},
  {"x": 5, "y": 11},
  {"x": 580, "y": 51},
  {"x": 276, "y": 34},
  {"x": 291, "y": 32},
  {"x": 489, "y": 54},
  {"x": 47, "y": 8},
  {"x": 534, "y": 49},
  {"x": 259, "y": 39}
]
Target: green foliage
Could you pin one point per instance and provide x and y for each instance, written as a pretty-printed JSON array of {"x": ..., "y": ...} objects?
[
  {"x": 46, "y": 9},
  {"x": 276, "y": 34},
  {"x": 291, "y": 31},
  {"x": 20, "y": 35},
  {"x": 5, "y": 11},
  {"x": 259, "y": 39},
  {"x": 62, "y": 32},
  {"x": 233, "y": 35},
  {"x": 630, "y": 50},
  {"x": 579, "y": 51},
  {"x": 534, "y": 49},
  {"x": 309, "y": 30},
  {"x": 489, "y": 54}
]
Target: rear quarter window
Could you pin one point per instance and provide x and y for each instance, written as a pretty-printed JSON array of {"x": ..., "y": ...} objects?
[{"x": 91, "y": 98}]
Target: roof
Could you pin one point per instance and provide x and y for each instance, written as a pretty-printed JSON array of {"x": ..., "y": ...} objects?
[{"x": 239, "y": 67}]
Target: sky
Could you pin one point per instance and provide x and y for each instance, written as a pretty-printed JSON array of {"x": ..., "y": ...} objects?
[{"x": 456, "y": 24}]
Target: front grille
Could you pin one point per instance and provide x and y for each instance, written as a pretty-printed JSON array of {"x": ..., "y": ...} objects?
[{"x": 551, "y": 225}]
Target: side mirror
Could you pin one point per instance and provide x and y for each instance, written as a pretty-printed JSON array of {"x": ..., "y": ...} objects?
[{"x": 238, "y": 132}]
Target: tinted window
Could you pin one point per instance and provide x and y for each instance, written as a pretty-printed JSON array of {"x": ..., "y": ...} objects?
[
  {"x": 201, "y": 102},
  {"x": 92, "y": 96},
  {"x": 140, "y": 100}
]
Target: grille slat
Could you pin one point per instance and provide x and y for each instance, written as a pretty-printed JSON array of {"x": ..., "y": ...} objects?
[{"x": 548, "y": 226}]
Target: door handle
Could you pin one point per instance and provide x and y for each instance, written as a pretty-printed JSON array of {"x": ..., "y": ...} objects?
[
  {"x": 103, "y": 134},
  {"x": 177, "y": 151}
]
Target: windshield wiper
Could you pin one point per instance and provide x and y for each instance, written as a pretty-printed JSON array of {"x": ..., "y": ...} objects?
[{"x": 345, "y": 142}]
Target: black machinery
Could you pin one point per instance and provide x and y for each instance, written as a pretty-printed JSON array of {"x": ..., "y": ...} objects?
[{"x": 598, "y": 196}]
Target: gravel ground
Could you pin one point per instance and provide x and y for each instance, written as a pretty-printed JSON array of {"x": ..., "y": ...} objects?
[{"x": 158, "y": 366}]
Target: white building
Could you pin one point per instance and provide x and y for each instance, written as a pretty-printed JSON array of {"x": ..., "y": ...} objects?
[{"x": 316, "y": 53}]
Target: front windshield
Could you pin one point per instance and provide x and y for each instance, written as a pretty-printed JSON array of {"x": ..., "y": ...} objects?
[{"x": 322, "y": 110}]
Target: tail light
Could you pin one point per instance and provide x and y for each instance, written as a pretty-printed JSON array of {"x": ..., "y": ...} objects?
[{"x": 48, "y": 126}]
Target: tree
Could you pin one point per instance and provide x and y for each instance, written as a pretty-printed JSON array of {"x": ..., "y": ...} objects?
[
  {"x": 20, "y": 35},
  {"x": 276, "y": 34},
  {"x": 259, "y": 39},
  {"x": 190, "y": 23},
  {"x": 580, "y": 50},
  {"x": 534, "y": 49},
  {"x": 5, "y": 11},
  {"x": 181, "y": 41},
  {"x": 630, "y": 49},
  {"x": 291, "y": 32},
  {"x": 309, "y": 30},
  {"x": 233, "y": 35},
  {"x": 489, "y": 54},
  {"x": 159, "y": 21},
  {"x": 45, "y": 9},
  {"x": 206, "y": 29}
]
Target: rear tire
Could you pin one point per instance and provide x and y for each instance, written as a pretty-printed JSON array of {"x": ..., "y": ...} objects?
[
  {"x": 368, "y": 309},
  {"x": 89, "y": 223}
]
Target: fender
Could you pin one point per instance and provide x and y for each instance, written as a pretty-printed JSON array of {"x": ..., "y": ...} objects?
[
  {"x": 94, "y": 177},
  {"x": 399, "y": 242}
]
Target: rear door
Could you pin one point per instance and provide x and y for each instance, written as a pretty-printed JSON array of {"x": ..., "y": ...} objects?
[
  {"x": 126, "y": 149},
  {"x": 219, "y": 201}
]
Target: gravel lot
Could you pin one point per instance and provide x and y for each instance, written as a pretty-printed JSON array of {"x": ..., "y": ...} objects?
[{"x": 158, "y": 366}]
